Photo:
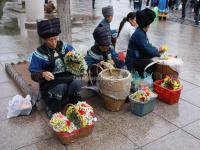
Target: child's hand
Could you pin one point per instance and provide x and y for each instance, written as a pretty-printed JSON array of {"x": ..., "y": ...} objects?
[{"x": 111, "y": 62}]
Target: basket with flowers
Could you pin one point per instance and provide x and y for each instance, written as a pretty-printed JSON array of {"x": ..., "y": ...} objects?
[
  {"x": 78, "y": 122},
  {"x": 142, "y": 101},
  {"x": 171, "y": 83},
  {"x": 75, "y": 63},
  {"x": 81, "y": 114},
  {"x": 168, "y": 89}
]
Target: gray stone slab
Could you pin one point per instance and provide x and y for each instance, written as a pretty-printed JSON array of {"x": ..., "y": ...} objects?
[
  {"x": 104, "y": 137},
  {"x": 8, "y": 89},
  {"x": 191, "y": 76},
  {"x": 23, "y": 131},
  {"x": 140, "y": 130},
  {"x": 178, "y": 140},
  {"x": 187, "y": 86},
  {"x": 4, "y": 108},
  {"x": 179, "y": 114},
  {"x": 4, "y": 76},
  {"x": 193, "y": 129},
  {"x": 49, "y": 144},
  {"x": 192, "y": 96}
]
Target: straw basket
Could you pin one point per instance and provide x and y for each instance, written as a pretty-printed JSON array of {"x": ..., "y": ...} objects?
[
  {"x": 67, "y": 138},
  {"x": 114, "y": 86},
  {"x": 113, "y": 104},
  {"x": 162, "y": 70}
]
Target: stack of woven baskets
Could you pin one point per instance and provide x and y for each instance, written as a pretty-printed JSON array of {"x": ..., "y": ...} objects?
[{"x": 114, "y": 86}]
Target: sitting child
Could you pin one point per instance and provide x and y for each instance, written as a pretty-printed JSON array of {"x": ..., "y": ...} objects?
[{"x": 102, "y": 50}]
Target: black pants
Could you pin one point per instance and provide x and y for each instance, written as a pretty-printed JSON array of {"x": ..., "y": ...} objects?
[
  {"x": 184, "y": 2},
  {"x": 139, "y": 65},
  {"x": 58, "y": 96},
  {"x": 93, "y": 4},
  {"x": 196, "y": 11}
]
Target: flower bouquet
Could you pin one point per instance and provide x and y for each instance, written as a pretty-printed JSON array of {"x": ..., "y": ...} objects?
[
  {"x": 142, "y": 101},
  {"x": 78, "y": 122},
  {"x": 75, "y": 63},
  {"x": 171, "y": 83},
  {"x": 81, "y": 114},
  {"x": 61, "y": 123},
  {"x": 168, "y": 89}
]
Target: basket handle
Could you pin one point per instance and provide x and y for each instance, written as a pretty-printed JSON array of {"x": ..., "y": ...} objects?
[{"x": 89, "y": 72}]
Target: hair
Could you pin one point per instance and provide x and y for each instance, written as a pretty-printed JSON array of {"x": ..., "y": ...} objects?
[{"x": 130, "y": 15}]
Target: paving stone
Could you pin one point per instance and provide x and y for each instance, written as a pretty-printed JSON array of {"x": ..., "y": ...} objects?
[
  {"x": 140, "y": 130},
  {"x": 193, "y": 129},
  {"x": 4, "y": 76},
  {"x": 104, "y": 137},
  {"x": 179, "y": 114},
  {"x": 22, "y": 131},
  {"x": 175, "y": 141},
  {"x": 4, "y": 108},
  {"x": 49, "y": 144},
  {"x": 8, "y": 89},
  {"x": 187, "y": 86},
  {"x": 192, "y": 96},
  {"x": 191, "y": 76}
]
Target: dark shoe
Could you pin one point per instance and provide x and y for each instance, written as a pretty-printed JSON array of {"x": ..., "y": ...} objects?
[{"x": 49, "y": 112}]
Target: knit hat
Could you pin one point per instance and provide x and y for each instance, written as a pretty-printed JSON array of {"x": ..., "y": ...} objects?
[
  {"x": 107, "y": 11},
  {"x": 102, "y": 35},
  {"x": 145, "y": 17},
  {"x": 48, "y": 28}
]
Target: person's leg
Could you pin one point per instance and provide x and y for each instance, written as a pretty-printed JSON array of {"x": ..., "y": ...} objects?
[
  {"x": 196, "y": 11},
  {"x": 183, "y": 8},
  {"x": 140, "y": 4},
  {"x": 147, "y": 3},
  {"x": 74, "y": 89},
  {"x": 93, "y": 4}
]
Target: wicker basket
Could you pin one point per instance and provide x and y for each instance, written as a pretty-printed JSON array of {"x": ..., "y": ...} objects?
[
  {"x": 162, "y": 70},
  {"x": 113, "y": 104},
  {"x": 67, "y": 138}
]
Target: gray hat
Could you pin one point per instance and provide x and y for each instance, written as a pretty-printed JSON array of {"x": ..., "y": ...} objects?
[
  {"x": 107, "y": 11},
  {"x": 102, "y": 35}
]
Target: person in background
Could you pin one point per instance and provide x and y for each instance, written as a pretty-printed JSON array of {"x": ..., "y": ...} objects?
[
  {"x": 57, "y": 86},
  {"x": 162, "y": 9},
  {"x": 140, "y": 50},
  {"x": 184, "y": 2},
  {"x": 102, "y": 51},
  {"x": 125, "y": 31},
  {"x": 93, "y": 4},
  {"x": 196, "y": 11},
  {"x": 108, "y": 13}
]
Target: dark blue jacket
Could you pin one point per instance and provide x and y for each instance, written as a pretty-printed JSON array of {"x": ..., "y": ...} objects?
[
  {"x": 95, "y": 56},
  {"x": 139, "y": 47}
]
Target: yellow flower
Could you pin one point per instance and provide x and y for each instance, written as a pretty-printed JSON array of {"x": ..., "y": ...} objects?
[
  {"x": 70, "y": 53},
  {"x": 165, "y": 48}
]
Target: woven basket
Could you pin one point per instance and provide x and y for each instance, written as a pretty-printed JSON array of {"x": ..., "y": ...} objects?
[
  {"x": 162, "y": 70},
  {"x": 67, "y": 138},
  {"x": 113, "y": 104}
]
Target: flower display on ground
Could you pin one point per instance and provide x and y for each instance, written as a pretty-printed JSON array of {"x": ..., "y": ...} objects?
[
  {"x": 81, "y": 114},
  {"x": 61, "y": 123},
  {"x": 143, "y": 95},
  {"x": 171, "y": 83}
]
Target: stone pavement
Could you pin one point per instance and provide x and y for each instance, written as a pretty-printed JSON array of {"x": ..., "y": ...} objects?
[{"x": 168, "y": 127}]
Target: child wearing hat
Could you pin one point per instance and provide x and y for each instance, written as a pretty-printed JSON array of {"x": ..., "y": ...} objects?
[
  {"x": 140, "y": 50},
  {"x": 102, "y": 50},
  {"x": 57, "y": 86},
  {"x": 108, "y": 13}
]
